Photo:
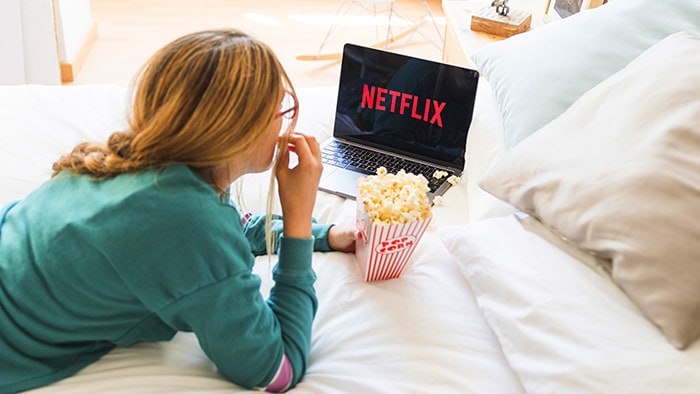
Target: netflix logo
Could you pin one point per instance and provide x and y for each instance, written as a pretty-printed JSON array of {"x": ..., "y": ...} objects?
[{"x": 383, "y": 99}]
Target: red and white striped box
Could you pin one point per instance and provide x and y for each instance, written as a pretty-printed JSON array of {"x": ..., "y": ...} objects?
[{"x": 385, "y": 249}]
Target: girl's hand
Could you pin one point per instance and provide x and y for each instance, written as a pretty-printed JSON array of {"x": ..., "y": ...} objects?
[
  {"x": 298, "y": 185},
  {"x": 342, "y": 238}
]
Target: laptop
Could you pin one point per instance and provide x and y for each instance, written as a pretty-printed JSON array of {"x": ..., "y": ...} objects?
[{"x": 399, "y": 112}]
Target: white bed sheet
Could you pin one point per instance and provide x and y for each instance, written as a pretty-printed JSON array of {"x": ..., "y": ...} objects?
[
  {"x": 564, "y": 326},
  {"x": 422, "y": 333}
]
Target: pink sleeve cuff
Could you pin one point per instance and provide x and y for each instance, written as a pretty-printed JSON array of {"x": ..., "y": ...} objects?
[
  {"x": 283, "y": 378},
  {"x": 245, "y": 217}
]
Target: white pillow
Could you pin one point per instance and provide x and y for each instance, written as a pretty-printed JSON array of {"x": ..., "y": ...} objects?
[
  {"x": 618, "y": 174},
  {"x": 538, "y": 74},
  {"x": 563, "y": 327},
  {"x": 51, "y": 120}
]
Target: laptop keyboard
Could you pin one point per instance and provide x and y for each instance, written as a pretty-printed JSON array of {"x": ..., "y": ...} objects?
[{"x": 367, "y": 161}]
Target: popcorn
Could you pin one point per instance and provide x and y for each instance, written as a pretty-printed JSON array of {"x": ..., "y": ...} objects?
[
  {"x": 393, "y": 212},
  {"x": 394, "y": 198},
  {"x": 437, "y": 201},
  {"x": 453, "y": 180},
  {"x": 438, "y": 174}
]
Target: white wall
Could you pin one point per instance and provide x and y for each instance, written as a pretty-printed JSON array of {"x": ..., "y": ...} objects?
[
  {"x": 12, "y": 58},
  {"x": 28, "y": 49},
  {"x": 39, "y": 41},
  {"x": 73, "y": 24}
]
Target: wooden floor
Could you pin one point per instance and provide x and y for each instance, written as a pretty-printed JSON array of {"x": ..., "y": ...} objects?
[{"x": 129, "y": 31}]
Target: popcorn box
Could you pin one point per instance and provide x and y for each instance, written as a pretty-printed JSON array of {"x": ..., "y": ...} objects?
[
  {"x": 385, "y": 249},
  {"x": 393, "y": 212}
]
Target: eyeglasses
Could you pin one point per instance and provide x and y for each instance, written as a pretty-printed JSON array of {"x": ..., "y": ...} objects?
[{"x": 290, "y": 112}]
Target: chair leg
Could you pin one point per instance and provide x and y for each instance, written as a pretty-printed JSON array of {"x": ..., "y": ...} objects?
[
  {"x": 432, "y": 18},
  {"x": 415, "y": 25},
  {"x": 344, "y": 7},
  {"x": 376, "y": 22},
  {"x": 388, "y": 26},
  {"x": 341, "y": 3}
]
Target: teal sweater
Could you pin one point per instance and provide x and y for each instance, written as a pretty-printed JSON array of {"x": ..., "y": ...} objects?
[{"x": 87, "y": 266}]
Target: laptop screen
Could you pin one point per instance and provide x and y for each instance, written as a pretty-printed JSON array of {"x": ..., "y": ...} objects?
[{"x": 415, "y": 107}]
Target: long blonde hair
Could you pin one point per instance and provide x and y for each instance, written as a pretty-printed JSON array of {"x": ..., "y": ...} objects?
[{"x": 201, "y": 101}]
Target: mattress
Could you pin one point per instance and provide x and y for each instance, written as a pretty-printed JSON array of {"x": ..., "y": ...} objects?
[
  {"x": 419, "y": 333},
  {"x": 492, "y": 301}
]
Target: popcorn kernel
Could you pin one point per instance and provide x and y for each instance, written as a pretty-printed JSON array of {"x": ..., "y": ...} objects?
[
  {"x": 438, "y": 174},
  {"x": 394, "y": 198},
  {"x": 453, "y": 180}
]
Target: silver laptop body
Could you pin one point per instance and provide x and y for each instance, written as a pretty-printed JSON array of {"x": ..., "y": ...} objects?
[{"x": 400, "y": 112}]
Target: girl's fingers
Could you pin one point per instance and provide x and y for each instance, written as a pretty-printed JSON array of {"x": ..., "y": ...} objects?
[
  {"x": 283, "y": 160},
  {"x": 305, "y": 146},
  {"x": 300, "y": 144},
  {"x": 313, "y": 143}
]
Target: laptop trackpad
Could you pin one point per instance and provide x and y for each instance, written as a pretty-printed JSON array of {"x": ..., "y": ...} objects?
[{"x": 340, "y": 181}]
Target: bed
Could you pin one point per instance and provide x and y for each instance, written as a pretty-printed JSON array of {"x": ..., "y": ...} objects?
[{"x": 516, "y": 287}]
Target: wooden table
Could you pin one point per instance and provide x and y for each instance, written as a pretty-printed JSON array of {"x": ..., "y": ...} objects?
[{"x": 461, "y": 41}]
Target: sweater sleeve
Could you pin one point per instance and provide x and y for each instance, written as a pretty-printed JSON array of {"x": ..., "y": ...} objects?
[
  {"x": 203, "y": 282},
  {"x": 293, "y": 300},
  {"x": 245, "y": 336},
  {"x": 254, "y": 229}
]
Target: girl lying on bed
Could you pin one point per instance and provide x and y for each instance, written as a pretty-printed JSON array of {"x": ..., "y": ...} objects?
[{"x": 136, "y": 239}]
